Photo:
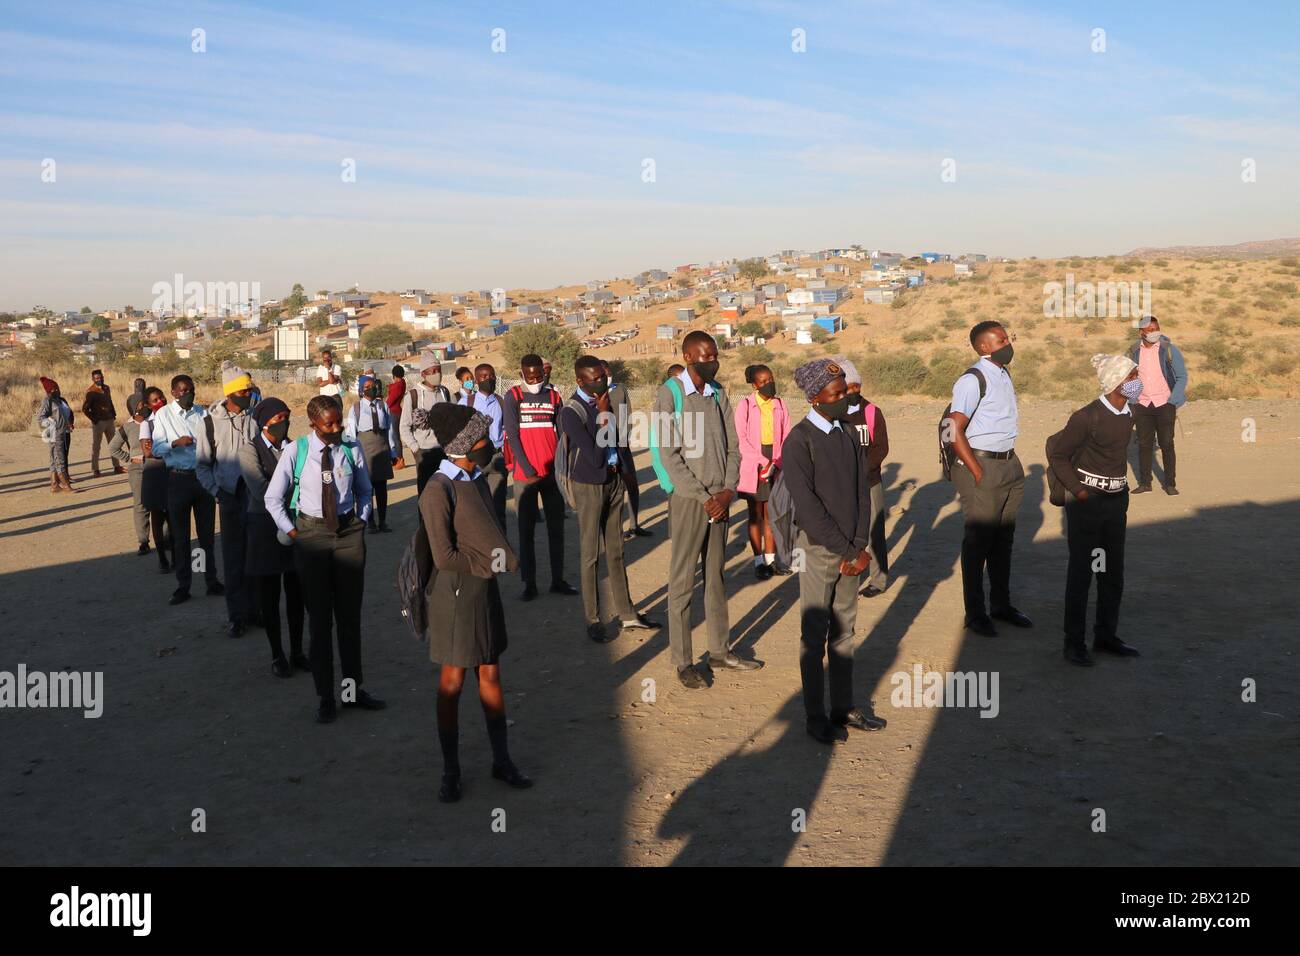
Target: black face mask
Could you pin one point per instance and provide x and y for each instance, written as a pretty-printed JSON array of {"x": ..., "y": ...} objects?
[
  {"x": 185, "y": 400},
  {"x": 707, "y": 371},
  {"x": 331, "y": 438},
  {"x": 487, "y": 386},
  {"x": 836, "y": 411},
  {"x": 242, "y": 401},
  {"x": 1003, "y": 355},
  {"x": 278, "y": 432},
  {"x": 768, "y": 391},
  {"x": 482, "y": 457},
  {"x": 599, "y": 388}
]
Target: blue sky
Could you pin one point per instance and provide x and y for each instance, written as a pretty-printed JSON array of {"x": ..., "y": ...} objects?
[{"x": 524, "y": 168}]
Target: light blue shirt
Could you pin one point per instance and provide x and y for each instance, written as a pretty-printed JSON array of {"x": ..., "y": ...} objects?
[
  {"x": 350, "y": 478},
  {"x": 455, "y": 472},
  {"x": 490, "y": 406},
  {"x": 822, "y": 423},
  {"x": 688, "y": 384},
  {"x": 360, "y": 419},
  {"x": 172, "y": 422},
  {"x": 996, "y": 421},
  {"x": 611, "y": 453}
]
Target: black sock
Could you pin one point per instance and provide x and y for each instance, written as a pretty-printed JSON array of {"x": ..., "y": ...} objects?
[
  {"x": 496, "y": 728},
  {"x": 449, "y": 740}
]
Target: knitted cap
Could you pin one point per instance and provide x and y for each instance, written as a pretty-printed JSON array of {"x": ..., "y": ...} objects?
[
  {"x": 235, "y": 379},
  {"x": 1112, "y": 370},
  {"x": 49, "y": 385},
  {"x": 457, "y": 427},
  {"x": 851, "y": 375},
  {"x": 816, "y": 375}
]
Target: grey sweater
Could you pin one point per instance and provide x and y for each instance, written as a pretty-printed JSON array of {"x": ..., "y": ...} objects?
[
  {"x": 700, "y": 452},
  {"x": 230, "y": 432}
]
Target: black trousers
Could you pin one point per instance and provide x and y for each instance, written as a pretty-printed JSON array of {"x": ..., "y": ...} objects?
[
  {"x": 631, "y": 484},
  {"x": 989, "y": 509},
  {"x": 332, "y": 572},
  {"x": 185, "y": 496},
  {"x": 1152, "y": 425},
  {"x": 268, "y": 590},
  {"x": 1095, "y": 529},
  {"x": 553, "y": 502},
  {"x": 427, "y": 461},
  {"x": 240, "y": 603},
  {"x": 496, "y": 482}
]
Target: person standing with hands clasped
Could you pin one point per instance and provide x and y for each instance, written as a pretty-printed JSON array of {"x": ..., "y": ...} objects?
[
  {"x": 830, "y": 490},
  {"x": 984, "y": 422},
  {"x": 330, "y": 503},
  {"x": 1089, "y": 460},
  {"x": 467, "y": 623}
]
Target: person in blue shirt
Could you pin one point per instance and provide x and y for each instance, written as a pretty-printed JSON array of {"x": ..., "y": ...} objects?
[
  {"x": 174, "y": 430},
  {"x": 989, "y": 478},
  {"x": 372, "y": 426},
  {"x": 329, "y": 547},
  {"x": 483, "y": 399}
]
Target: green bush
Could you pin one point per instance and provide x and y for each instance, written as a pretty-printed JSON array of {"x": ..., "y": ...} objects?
[
  {"x": 916, "y": 336},
  {"x": 1207, "y": 391},
  {"x": 892, "y": 373},
  {"x": 1290, "y": 321},
  {"x": 1268, "y": 305},
  {"x": 1222, "y": 356}
]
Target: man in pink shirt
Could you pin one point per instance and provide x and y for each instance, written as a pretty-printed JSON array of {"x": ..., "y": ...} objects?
[{"x": 1164, "y": 389}]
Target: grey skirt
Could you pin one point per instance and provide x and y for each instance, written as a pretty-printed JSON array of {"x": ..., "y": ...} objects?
[
  {"x": 379, "y": 455},
  {"x": 467, "y": 624},
  {"x": 153, "y": 485}
]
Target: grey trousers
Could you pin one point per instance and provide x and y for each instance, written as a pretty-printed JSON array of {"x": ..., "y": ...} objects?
[
  {"x": 233, "y": 508},
  {"x": 694, "y": 538},
  {"x": 496, "y": 482},
  {"x": 332, "y": 572},
  {"x": 600, "y": 515},
  {"x": 101, "y": 432},
  {"x": 878, "y": 576},
  {"x": 990, "y": 509},
  {"x": 828, "y": 609}
]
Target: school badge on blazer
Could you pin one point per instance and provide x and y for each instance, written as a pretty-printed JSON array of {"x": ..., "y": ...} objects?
[{"x": 327, "y": 477}]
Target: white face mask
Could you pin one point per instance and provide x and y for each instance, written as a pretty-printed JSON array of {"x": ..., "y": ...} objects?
[
  {"x": 433, "y": 378},
  {"x": 1151, "y": 337},
  {"x": 532, "y": 388}
]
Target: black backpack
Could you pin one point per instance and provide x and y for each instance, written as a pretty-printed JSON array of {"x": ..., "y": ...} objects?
[
  {"x": 415, "y": 575},
  {"x": 1056, "y": 492},
  {"x": 946, "y": 454}
]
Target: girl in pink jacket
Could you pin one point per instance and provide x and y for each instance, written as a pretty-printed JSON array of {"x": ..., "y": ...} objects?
[{"x": 762, "y": 422}]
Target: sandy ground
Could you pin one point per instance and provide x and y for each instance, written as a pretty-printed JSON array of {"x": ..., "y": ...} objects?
[{"x": 1186, "y": 772}]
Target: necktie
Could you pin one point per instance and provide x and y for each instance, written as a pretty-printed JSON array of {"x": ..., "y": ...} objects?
[
  {"x": 374, "y": 416},
  {"x": 329, "y": 494}
]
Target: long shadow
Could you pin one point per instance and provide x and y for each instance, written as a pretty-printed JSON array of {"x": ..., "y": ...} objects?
[
  {"x": 77, "y": 501},
  {"x": 1186, "y": 772}
]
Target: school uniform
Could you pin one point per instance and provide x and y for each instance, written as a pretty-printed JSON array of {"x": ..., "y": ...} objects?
[
  {"x": 218, "y": 467},
  {"x": 269, "y": 564},
  {"x": 330, "y": 548},
  {"x": 374, "y": 429},
  {"x": 622, "y": 403},
  {"x": 417, "y": 435},
  {"x": 490, "y": 406},
  {"x": 873, "y": 440},
  {"x": 126, "y": 450},
  {"x": 186, "y": 497},
  {"x": 467, "y": 626}
]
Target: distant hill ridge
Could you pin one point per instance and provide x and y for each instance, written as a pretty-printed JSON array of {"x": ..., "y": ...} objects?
[{"x": 1259, "y": 249}]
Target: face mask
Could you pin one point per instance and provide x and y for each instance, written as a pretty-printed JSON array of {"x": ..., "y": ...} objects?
[
  {"x": 1131, "y": 390},
  {"x": 482, "y": 457},
  {"x": 467, "y": 385},
  {"x": 372, "y": 393},
  {"x": 707, "y": 371},
  {"x": 1151, "y": 337},
  {"x": 768, "y": 391},
  {"x": 242, "y": 401},
  {"x": 1003, "y": 355},
  {"x": 153, "y": 406},
  {"x": 836, "y": 411},
  {"x": 331, "y": 438},
  {"x": 488, "y": 386},
  {"x": 598, "y": 387},
  {"x": 432, "y": 378},
  {"x": 279, "y": 431},
  {"x": 186, "y": 401},
  {"x": 531, "y": 388}
]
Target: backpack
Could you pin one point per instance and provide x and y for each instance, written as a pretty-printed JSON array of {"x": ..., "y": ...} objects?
[
  {"x": 419, "y": 415},
  {"x": 1056, "y": 492},
  {"x": 674, "y": 385},
  {"x": 780, "y": 503},
  {"x": 517, "y": 392},
  {"x": 300, "y": 461},
  {"x": 946, "y": 454},
  {"x": 415, "y": 574},
  {"x": 564, "y": 453}
]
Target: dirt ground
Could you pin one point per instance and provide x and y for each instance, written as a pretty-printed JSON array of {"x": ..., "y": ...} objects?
[{"x": 1186, "y": 772}]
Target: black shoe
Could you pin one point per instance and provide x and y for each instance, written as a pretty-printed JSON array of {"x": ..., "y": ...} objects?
[
  {"x": 692, "y": 678},
  {"x": 872, "y": 591},
  {"x": 564, "y": 587},
  {"x": 639, "y": 622},
  {"x": 781, "y": 569},
  {"x": 216, "y": 588},
  {"x": 1077, "y": 653},
  {"x": 1012, "y": 617},
  {"x": 1142, "y": 488},
  {"x": 981, "y": 624},
  {"x": 642, "y": 532},
  {"x": 372, "y": 525},
  {"x": 300, "y": 661},
  {"x": 734, "y": 663},
  {"x": 1115, "y": 646},
  {"x": 385, "y": 529},
  {"x": 143, "y": 549},
  {"x": 179, "y": 597},
  {"x": 327, "y": 712},
  {"x": 450, "y": 790},
  {"x": 164, "y": 567},
  {"x": 598, "y": 633},
  {"x": 824, "y": 732},
  {"x": 859, "y": 720},
  {"x": 280, "y": 667},
  {"x": 511, "y": 775},
  {"x": 1171, "y": 489},
  {"x": 530, "y": 592},
  {"x": 235, "y": 629},
  {"x": 366, "y": 701},
  {"x": 762, "y": 571}
]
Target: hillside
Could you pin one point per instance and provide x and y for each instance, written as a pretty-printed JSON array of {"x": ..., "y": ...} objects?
[{"x": 1259, "y": 249}]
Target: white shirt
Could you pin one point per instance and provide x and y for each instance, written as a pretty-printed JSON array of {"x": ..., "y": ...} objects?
[
  {"x": 325, "y": 371},
  {"x": 1112, "y": 409}
]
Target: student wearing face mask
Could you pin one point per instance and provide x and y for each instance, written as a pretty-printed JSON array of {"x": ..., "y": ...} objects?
[
  {"x": 762, "y": 424},
  {"x": 467, "y": 622},
  {"x": 989, "y": 478},
  {"x": 830, "y": 489},
  {"x": 319, "y": 496},
  {"x": 175, "y": 429},
  {"x": 270, "y": 564},
  {"x": 371, "y": 426},
  {"x": 417, "y": 432},
  {"x": 397, "y": 392},
  {"x": 1155, "y": 410},
  {"x": 226, "y": 430},
  {"x": 621, "y": 402},
  {"x": 873, "y": 439},
  {"x": 529, "y": 415},
  {"x": 482, "y": 397},
  {"x": 1089, "y": 458},
  {"x": 126, "y": 450},
  {"x": 55, "y": 417}
]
